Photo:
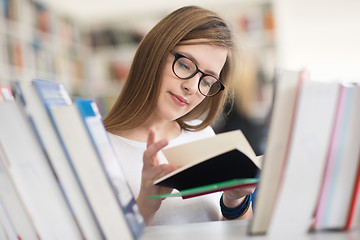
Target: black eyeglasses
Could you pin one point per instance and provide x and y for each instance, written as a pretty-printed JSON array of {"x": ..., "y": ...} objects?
[{"x": 185, "y": 68}]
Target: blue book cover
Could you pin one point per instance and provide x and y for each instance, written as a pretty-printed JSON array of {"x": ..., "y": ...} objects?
[
  {"x": 52, "y": 93},
  {"x": 92, "y": 120}
]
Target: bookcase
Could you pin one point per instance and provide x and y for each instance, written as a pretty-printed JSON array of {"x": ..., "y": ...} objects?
[
  {"x": 112, "y": 50},
  {"x": 38, "y": 42}
]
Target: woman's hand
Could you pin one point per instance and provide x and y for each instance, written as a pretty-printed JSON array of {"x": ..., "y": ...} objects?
[
  {"x": 152, "y": 170},
  {"x": 234, "y": 197}
]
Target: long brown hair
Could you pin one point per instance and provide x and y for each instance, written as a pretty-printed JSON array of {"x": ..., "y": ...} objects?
[{"x": 141, "y": 90}]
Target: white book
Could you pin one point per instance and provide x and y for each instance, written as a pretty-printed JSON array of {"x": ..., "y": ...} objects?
[
  {"x": 5, "y": 94},
  {"x": 14, "y": 204},
  {"x": 33, "y": 178},
  {"x": 2, "y": 232},
  {"x": 305, "y": 163},
  {"x": 11, "y": 200},
  {"x": 342, "y": 162},
  {"x": 7, "y": 223},
  {"x": 287, "y": 85},
  {"x": 91, "y": 172},
  {"x": 92, "y": 120},
  {"x": 353, "y": 218},
  {"x": 35, "y": 107}
]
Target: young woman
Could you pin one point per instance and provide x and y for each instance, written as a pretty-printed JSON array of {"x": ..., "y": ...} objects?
[{"x": 181, "y": 73}]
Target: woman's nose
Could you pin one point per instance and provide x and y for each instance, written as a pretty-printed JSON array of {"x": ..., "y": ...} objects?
[{"x": 191, "y": 85}]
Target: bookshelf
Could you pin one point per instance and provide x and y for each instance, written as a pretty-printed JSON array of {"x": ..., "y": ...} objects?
[
  {"x": 231, "y": 230},
  {"x": 38, "y": 42},
  {"x": 112, "y": 50}
]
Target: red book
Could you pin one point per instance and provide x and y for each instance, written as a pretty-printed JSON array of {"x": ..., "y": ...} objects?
[{"x": 354, "y": 210}]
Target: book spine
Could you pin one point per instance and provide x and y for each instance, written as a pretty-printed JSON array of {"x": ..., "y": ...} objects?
[{"x": 323, "y": 210}]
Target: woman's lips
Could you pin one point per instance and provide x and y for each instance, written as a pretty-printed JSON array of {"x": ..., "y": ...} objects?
[{"x": 180, "y": 101}]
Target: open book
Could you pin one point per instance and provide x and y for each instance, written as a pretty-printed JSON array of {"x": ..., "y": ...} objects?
[{"x": 213, "y": 164}]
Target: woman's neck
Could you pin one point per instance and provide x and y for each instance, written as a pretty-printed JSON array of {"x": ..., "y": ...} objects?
[{"x": 163, "y": 130}]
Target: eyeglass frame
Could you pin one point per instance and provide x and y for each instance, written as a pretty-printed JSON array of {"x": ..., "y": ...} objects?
[{"x": 178, "y": 56}]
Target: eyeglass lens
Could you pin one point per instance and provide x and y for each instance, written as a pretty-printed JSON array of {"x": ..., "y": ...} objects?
[{"x": 185, "y": 68}]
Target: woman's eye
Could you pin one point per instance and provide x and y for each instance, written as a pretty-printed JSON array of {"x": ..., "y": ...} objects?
[
  {"x": 206, "y": 83},
  {"x": 184, "y": 66}
]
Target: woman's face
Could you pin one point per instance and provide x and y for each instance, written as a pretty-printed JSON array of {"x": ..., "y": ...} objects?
[{"x": 177, "y": 96}]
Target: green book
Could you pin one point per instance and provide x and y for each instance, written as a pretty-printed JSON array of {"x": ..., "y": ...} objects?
[{"x": 216, "y": 187}]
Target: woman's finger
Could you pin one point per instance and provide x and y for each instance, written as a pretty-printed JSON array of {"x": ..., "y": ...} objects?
[
  {"x": 151, "y": 137},
  {"x": 151, "y": 152}
]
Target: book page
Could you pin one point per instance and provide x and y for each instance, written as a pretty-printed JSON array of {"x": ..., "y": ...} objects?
[{"x": 197, "y": 151}]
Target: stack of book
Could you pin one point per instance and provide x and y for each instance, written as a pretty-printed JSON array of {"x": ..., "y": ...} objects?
[
  {"x": 310, "y": 176},
  {"x": 60, "y": 177}
]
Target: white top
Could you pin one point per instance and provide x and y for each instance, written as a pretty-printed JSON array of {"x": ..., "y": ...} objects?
[{"x": 172, "y": 210}]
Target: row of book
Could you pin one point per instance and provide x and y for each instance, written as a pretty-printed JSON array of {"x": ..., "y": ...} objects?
[
  {"x": 310, "y": 178},
  {"x": 59, "y": 175}
]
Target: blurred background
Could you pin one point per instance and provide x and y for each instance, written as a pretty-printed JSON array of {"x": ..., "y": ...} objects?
[{"x": 88, "y": 45}]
